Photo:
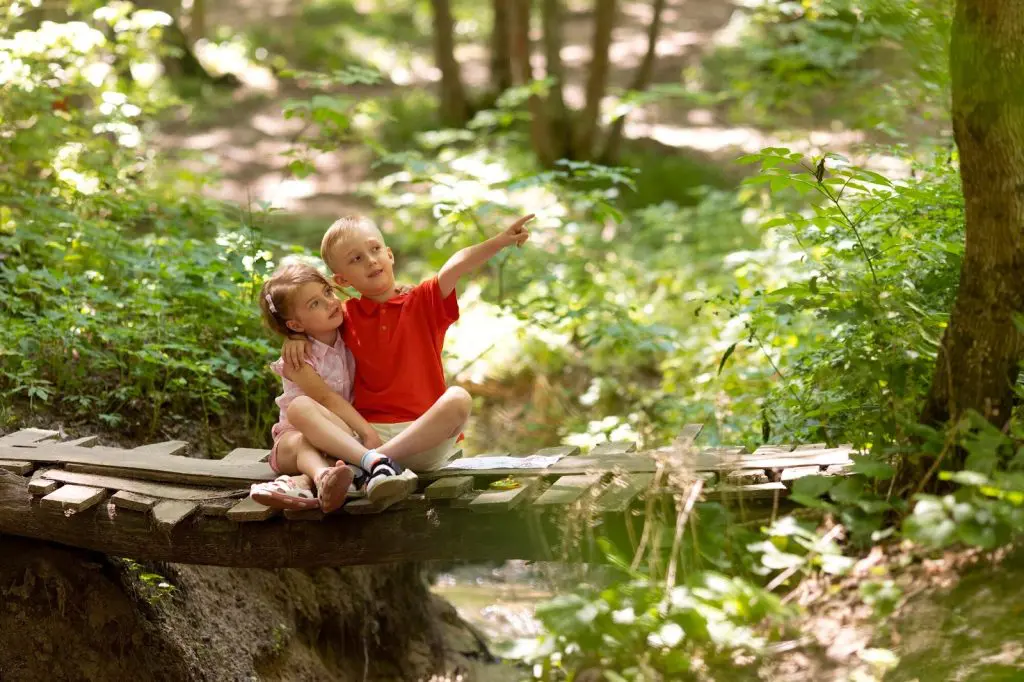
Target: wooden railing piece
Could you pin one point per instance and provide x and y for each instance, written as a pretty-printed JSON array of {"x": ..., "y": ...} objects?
[
  {"x": 161, "y": 490},
  {"x": 567, "y": 490},
  {"x": 156, "y": 467},
  {"x": 247, "y": 455},
  {"x": 17, "y": 466},
  {"x": 449, "y": 488},
  {"x": 621, "y": 492},
  {"x": 618, "y": 447},
  {"x": 169, "y": 513},
  {"x": 250, "y": 510},
  {"x": 563, "y": 450},
  {"x": 41, "y": 486},
  {"x": 73, "y": 498},
  {"x": 27, "y": 437},
  {"x": 133, "y": 501},
  {"x": 504, "y": 500},
  {"x": 168, "y": 447}
]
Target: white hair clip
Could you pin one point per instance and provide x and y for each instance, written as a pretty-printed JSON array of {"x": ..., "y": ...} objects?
[{"x": 270, "y": 302}]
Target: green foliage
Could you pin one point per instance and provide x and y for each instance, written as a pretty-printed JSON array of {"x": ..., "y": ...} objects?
[{"x": 111, "y": 277}]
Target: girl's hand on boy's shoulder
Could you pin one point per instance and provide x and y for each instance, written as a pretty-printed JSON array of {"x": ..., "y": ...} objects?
[
  {"x": 295, "y": 352},
  {"x": 517, "y": 233}
]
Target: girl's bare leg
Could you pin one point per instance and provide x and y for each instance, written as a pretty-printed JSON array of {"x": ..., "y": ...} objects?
[
  {"x": 296, "y": 453},
  {"x": 445, "y": 419},
  {"x": 325, "y": 430}
]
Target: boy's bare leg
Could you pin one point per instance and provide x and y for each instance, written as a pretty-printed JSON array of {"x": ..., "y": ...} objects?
[
  {"x": 445, "y": 419},
  {"x": 325, "y": 430}
]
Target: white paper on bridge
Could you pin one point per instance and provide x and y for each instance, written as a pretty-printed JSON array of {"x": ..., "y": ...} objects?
[{"x": 502, "y": 462}]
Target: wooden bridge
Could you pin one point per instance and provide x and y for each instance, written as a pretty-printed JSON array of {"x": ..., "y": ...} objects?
[{"x": 152, "y": 503}]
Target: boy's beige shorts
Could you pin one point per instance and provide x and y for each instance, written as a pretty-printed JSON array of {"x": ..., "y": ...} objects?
[{"x": 428, "y": 460}]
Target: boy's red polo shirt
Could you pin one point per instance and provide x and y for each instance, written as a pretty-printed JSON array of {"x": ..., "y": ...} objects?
[{"x": 397, "y": 346}]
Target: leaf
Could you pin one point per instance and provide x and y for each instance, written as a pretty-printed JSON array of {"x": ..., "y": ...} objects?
[
  {"x": 813, "y": 486},
  {"x": 873, "y": 468},
  {"x": 728, "y": 353}
]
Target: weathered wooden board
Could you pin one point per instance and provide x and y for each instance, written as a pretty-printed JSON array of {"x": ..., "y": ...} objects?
[
  {"x": 504, "y": 500},
  {"x": 169, "y": 513},
  {"x": 27, "y": 436},
  {"x": 41, "y": 486},
  {"x": 621, "y": 492},
  {"x": 247, "y": 455},
  {"x": 758, "y": 491},
  {"x": 562, "y": 450},
  {"x": 133, "y": 501},
  {"x": 73, "y": 498},
  {"x": 449, "y": 488},
  {"x": 771, "y": 450},
  {"x": 168, "y": 447},
  {"x": 161, "y": 490},
  {"x": 689, "y": 434},
  {"x": 17, "y": 467},
  {"x": 567, "y": 490},
  {"x": 745, "y": 477},
  {"x": 146, "y": 466},
  {"x": 216, "y": 507},
  {"x": 84, "y": 442},
  {"x": 618, "y": 447},
  {"x": 250, "y": 510}
]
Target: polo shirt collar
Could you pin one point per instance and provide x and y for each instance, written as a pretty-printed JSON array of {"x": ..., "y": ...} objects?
[{"x": 368, "y": 306}]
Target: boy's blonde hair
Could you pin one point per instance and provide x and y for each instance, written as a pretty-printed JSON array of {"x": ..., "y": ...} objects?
[
  {"x": 338, "y": 230},
  {"x": 277, "y": 290}
]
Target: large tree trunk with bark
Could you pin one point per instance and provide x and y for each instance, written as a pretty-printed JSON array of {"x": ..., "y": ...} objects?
[
  {"x": 501, "y": 53},
  {"x": 455, "y": 110},
  {"x": 522, "y": 74},
  {"x": 551, "y": 21},
  {"x": 597, "y": 79},
  {"x": 641, "y": 80},
  {"x": 978, "y": 361}
]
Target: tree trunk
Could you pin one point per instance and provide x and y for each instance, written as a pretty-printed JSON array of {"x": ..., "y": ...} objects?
[
  {"x": 978, "y": 360},
  {"x": 522, "y": 74},
  {"x": 641, "y": 80},
  {"x": 454, "y": 106},
  {"x": 197, "y": 20},
  {"x": 551, "y": 20},
  {"x": 597, "y": 78},
  {"x": 501, "y": 54}
]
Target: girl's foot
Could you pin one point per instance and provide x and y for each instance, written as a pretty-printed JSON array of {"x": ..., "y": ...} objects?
[
  {"x": 332, "y": 487},
  {"x": 284, "y": 493}
]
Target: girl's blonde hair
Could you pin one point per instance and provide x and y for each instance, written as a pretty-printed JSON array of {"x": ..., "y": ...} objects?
[{"x": 276, "y": 294}]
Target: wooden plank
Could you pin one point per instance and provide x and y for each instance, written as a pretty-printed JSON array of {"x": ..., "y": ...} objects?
[
  {"x": 40, "y": 486},
  {"x": 689, "y": 434},
  {"x": 27, "y": 437},
  {"x": 250, "y": 510},
  {"x": 621, "y": 491},
  {"x": 793, "y": 473},
  {"x": 84, "y": 442},
  {"x": 758, "y": 491},
  {"x": 765, "y": 450},
  {"x": 161, "y": 490},
  {"x": 465, "y": 499},
  {"x": 246, "y": 455},
  {"x": 503, "y": 500},
  {"x": 618, "y": 447},
  {"x": 73, "y": 498},
  {"x": 168, "y": 447},
  {"x": 825, "y": 457},
  {"x": 146, "y": 466},
  {"x": 170, "y": 513},
  {"x": 449, "y": 488},
  {"x": 218, "y": 507},
  {"x": 17, "y": 466},
  {"x": 133, "y": 501},
  {"x": 563, "y": 450},
  {"x": 567, "y": 490},
  {"x": 813, "y": 446},
  {"x": 746, "y": 477}
]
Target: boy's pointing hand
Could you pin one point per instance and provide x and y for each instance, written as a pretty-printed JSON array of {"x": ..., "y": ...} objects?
[{"x": 517, "y": 234}]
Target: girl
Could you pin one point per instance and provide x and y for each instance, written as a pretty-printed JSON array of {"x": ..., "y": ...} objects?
[{"x": 317, "y": 422}]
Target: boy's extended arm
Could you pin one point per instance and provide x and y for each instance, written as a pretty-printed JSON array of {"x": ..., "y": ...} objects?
[
  {"x": 317, "y": 389},
  {"x": 471, "y": 258}
]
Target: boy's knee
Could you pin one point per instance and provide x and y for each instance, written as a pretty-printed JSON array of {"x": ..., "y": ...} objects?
[
  {"x": 299, "y": 408},
  {"x": 460, "y": 401}
]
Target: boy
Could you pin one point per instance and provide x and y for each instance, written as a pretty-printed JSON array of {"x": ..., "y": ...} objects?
[{"x": 396, "y": 336}]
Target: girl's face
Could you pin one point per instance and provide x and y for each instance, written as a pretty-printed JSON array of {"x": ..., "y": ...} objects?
[{"x": 313, "y": 308}]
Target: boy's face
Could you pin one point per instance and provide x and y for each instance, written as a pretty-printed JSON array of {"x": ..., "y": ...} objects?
[{"x": 362, "y": 260}]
